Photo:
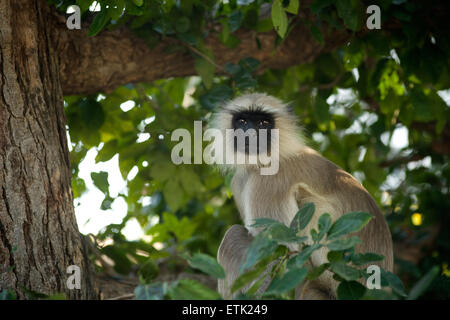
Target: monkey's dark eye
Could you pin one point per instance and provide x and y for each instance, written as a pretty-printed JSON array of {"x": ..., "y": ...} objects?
[
  {"x": 264, "y": 123},
  {"x": 242, "y": 121}
]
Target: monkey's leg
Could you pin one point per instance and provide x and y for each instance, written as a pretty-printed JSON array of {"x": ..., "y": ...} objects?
[{"x": 231, "y": 255}]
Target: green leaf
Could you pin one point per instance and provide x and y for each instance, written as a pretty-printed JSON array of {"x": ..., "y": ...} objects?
[
  {"x": 122, "y": 263},
  {"x": 321, "y": 110},
  {"x": 182, "y": 25},
  {"x": 318, "y": 5},
  {"x": 116, "y": 10},
  {"x": 249, "y": 276},
  {"x": 292, "y": 7},
  {"x": 314, "y": 235},
  {"x": 148, "y": 271},
  {"x": 138, "y": 2},
  {"x": 334, "y": 256},
  {"x": 173, "y": 194},
  {"x": 206, "y": 71},
  {"x": 317, "y": 272},
  {"x": 260, "y": 248},
  {"x": 235, "y": 20},
  {"x": 279, "y": 18},
  {"x": 303, "y": 217},
  {"x": 423, "y": 284},
  {"x": 99, "y": 22},
  {"x": 343, "y": 244},
  {"x": 216, "y": 96},
  {"x": 365, "y": 258},
  {"x": 351, "y": 12},
  {"x": 244, "y": 80},
  {"x": 207, "y": 264},
  {"x": 188, "y": 289},
  {"x": 344, "y": 271},
  {"x": 316, "y": 33},
  {"x": 190, "y": 180},
  {"x": 154, "y": 291},
  {"x": 250, "y": 64},
  {"x": 232, "y": 68},
  {"x": 263, "y": 222},
  {"x": 304, "y": 255},
  {"x": 288, "y": 281},
  {"x": 324, "y": 225},
  {"x": 350, "y": 290},
  {"x": 106, "y": 203},
  {"x": 280, "y": 233},
  {"x": 78, "y": 187},
  {"x": 92, "y": 113},
  {"x": 84, "y": 4},
  {"x": 350, "y": 222},
  {"x": 394, "y": 282},
  {"x": 100, "y": 180},
  {"x": 421, "y": 105},
  {"x": 125, "y": 165},
  {"x": 255, "y": 286},
  {"x": 264, "y": 25},
  {"x": 108, "y": 151},
  {"x": 162, "y": 171}
]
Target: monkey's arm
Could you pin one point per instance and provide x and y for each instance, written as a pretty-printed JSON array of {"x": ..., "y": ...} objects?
[
  {"x": 336, "y": 192},
  {"x": 231, "y": 255}
]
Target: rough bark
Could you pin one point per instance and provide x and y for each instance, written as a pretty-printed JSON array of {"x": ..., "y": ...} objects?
[
  {"x": 39, "y": 237},
  {"x": 113, "y": 58}
]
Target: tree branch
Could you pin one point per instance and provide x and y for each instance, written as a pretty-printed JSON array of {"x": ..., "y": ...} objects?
[
  {"x": 401, "y": 160},
  {"x": 112, "y": 58}
]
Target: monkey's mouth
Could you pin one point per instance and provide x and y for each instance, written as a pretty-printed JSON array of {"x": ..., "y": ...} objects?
[{"x": 252, "y": 148}]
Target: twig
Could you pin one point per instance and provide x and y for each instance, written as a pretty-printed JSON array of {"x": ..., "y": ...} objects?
[
  {"x": 204, "y": 56},
  {"x": 401, "y": 160}
]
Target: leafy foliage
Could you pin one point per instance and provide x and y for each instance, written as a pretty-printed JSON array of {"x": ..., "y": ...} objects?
[{"x": 287, "y": 268}]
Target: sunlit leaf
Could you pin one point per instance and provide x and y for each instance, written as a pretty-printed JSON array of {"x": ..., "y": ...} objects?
[
  {"x": 303, "y": 217},
  {"x": 348, "y": 223},
  {"x": 279, "y": 18}
]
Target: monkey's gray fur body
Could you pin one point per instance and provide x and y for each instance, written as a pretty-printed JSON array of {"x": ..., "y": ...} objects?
[{"x": 303, "y": 176}]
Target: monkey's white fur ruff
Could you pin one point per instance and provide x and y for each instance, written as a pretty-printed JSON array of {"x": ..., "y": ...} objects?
[{"x": 291, "y": 139}]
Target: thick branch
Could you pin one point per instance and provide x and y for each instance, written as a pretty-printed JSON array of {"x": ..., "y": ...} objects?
[{"x": 113, "y": 58}]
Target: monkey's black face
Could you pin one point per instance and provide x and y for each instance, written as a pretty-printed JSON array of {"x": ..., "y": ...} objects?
[{"x": 251, "y": 122}]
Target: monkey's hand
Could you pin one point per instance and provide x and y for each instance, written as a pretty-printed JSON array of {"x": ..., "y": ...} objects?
[{"x": 231, "y": 255}]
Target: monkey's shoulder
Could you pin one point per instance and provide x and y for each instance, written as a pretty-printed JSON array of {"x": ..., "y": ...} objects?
[{"x": 320, "y": 174}]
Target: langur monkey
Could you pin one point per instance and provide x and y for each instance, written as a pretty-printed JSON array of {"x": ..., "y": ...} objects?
[{"x": 303, "y": 176}]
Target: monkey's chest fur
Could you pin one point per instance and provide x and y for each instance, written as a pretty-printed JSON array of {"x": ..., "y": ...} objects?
[
  {"x": 260, "y": 196},
  {"x": 277, "y": 197}
]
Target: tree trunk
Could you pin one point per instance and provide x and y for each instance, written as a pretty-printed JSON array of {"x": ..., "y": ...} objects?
[{"x": 39, "y": 238}]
